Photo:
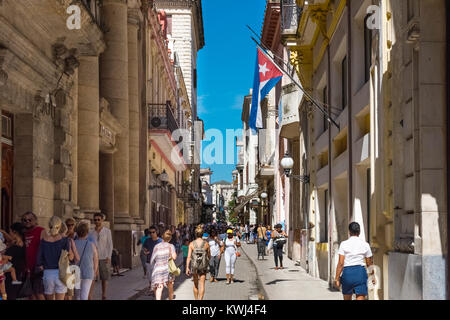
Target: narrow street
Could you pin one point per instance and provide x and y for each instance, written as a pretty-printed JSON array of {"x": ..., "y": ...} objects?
[{"x": 255, "y": 280}]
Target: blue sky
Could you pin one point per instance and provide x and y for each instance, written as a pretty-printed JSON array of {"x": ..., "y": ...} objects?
[{"x": 226, "y": 67}]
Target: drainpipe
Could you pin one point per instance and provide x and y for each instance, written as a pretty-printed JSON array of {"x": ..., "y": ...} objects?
[
  {"x": 447, "y": 10},
  {"x": 330, "y": 194},
  {"x": 349, "y": 103}
]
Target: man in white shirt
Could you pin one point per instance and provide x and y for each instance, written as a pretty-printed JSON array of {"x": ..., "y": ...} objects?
[
  {"x": 354, "y": 255},
  {"x": 216, "y": 247},
  {"x": 102, "y": 238}
]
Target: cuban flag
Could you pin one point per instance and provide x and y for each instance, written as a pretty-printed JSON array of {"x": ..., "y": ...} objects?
[{"x": 267, "y": 76}]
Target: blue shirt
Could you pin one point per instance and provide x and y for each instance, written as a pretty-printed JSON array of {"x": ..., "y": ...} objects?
[
  {"x": 150, "y": 244},
  {"x": 86, "y": 264},
  {"x": 50, "y": 252}
]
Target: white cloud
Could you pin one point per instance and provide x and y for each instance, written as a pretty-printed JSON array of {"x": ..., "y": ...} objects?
[{"x": 201, "y": 105}]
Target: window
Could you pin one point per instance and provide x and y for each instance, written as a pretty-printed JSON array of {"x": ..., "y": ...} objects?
[
  {"x": 7, "y": 126},
  {"x": 169, "y": 25},
  {"x": 367, "y": 50},
  {"x": 344, "y": 82},
  {"x": 325, "y": 102}
]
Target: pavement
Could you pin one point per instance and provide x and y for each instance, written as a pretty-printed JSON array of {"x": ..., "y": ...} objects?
[
  {"x": 245, "y": 286},
  {"x": 290, "y": 283},
  {"x": 254, "y": 280}
]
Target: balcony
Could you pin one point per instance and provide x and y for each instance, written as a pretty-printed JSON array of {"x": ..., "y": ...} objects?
[
  {"x": 290, "y": 119},
  {"x": 290, "y": 18},
  {"x": 162, "y": 124},
  {"x": 161, "y": 117}
]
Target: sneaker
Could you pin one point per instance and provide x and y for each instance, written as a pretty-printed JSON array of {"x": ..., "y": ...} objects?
[
  {"x": 16, "y": 282},
  {"x": 228, "y": 282},
  {"x": 232, "y": 281}
]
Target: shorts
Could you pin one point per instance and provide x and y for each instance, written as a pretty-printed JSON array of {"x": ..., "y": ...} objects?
[
  {"x": 37, "y": 283},
  {"x": 5, "y": 267},
  {"x": 354, "y": 280},
  {"x": 52, "y": 284},
  {"x": 104, "y": 270}
]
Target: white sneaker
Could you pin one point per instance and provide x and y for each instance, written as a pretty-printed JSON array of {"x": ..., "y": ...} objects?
[{"x": 16, "y": 282}]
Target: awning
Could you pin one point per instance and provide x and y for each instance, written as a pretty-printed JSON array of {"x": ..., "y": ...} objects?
[{"x": 245, "y": 201}]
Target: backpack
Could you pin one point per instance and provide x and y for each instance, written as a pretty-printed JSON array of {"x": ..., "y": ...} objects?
[{"x": 199, "y": 260}]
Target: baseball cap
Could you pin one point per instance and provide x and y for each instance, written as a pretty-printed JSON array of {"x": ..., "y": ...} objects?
[{"x": 229, "y": 231}]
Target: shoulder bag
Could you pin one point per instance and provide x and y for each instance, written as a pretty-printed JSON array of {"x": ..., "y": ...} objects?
[{"x": 173, "y": 269}]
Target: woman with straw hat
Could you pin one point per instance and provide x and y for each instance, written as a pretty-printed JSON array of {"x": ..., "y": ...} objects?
[{"x": 231, "y": 244}]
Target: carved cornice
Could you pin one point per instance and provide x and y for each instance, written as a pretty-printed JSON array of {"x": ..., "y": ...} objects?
[
  {"x": 319, "y": 13},
  {"x": 135, "y": 16},
  {"x": 302, "y": 60}
]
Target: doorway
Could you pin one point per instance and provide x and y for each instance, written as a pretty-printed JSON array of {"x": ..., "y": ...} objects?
[{"x": 7, "y": 171}]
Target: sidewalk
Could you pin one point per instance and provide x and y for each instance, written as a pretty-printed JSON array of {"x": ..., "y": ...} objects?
[
  {"x": 291, "y": 283},
  {"x": 122, "y": 288},
  {"x": 128, "y": 287},
  {"x": 244, "y": 288}
]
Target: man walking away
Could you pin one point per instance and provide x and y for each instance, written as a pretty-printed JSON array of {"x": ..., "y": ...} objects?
[
  {"x": 354, "y": 255},
  {"x": 216, "y": 247},
  {"x": 102, "y": 238},
  {"x": 142, "y": 254},
  {"x": 262, "y": 238}
]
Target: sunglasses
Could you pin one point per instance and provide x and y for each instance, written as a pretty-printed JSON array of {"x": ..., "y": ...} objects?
[
  {"x": 152, "y": 231},
  {"x": 97, "y": 219},
  {"x": 27, "y": 220}
]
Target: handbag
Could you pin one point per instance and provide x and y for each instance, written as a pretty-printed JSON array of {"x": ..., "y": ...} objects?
[
  {"x": 173, "y": 269},
  {"x": 280, "y": 241},
  {"x": 64, "y": 267},
  {"x": 26, "y": 290}
]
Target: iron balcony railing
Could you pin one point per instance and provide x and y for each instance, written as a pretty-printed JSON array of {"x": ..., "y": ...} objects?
[
  {"x": 290, "y": 17},
  {"x": 94, "y": 9},
  {"x": 160, "y": 117}
]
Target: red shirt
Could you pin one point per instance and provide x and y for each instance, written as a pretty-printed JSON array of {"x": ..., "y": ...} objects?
[{"x": 32, "y": 241}]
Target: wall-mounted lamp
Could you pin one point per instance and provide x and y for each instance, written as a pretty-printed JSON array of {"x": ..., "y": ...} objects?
[
  {"x": 287, "y": 163},
  {"x": 164, "y": 178}
]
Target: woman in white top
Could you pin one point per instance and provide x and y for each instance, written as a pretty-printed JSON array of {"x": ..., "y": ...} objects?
[
  {"x": 231, "y": 244},
  {"x": 354, "y": 255}
]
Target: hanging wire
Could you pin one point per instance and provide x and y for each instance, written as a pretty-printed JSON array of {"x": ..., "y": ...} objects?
[
  {"x": 266, "y": 48},
  {"x": 312, "y": 99}
]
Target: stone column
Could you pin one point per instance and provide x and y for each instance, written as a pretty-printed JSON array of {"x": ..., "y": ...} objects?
[
  {"x": 114, "y": 88},
  {"x": 134, "y": 20},
  {"x": 88, "y": 134},
  {"x": 107, "y": 183}
]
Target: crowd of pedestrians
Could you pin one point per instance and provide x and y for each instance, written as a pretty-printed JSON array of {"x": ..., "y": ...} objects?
[
  {"x": 60, "y": 263},
  {"x": 31, "y": 256}
]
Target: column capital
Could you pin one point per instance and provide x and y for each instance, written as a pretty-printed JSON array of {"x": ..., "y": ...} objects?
[{"x": 135, "y": 17}]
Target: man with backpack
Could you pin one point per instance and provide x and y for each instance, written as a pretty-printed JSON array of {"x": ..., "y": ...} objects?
[{"x": 197, "y": 262}]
